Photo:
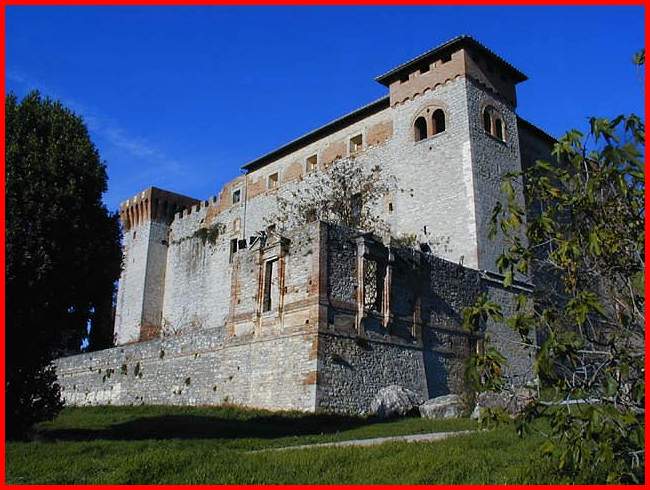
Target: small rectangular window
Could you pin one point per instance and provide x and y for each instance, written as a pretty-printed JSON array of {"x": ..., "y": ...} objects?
[
  {"x": 356, "y": 144},
  {"x": 312, "y": 163},
  {"x": 356, "y": 204},
  {"x": 233, "y": 248},
  {"x": 273, "y": 181},
  {"x": 267, "y": 302},
  {"x": 236, "y": 196}
]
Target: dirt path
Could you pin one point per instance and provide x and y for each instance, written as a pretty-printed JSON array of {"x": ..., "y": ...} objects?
[{"x": 432, "y": 436}]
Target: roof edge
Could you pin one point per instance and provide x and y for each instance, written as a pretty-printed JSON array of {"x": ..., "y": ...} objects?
[
  {"x": 328, "y": 128},
  {"x": 458, "y": 41},
  {"x": 537, "y": 130}
]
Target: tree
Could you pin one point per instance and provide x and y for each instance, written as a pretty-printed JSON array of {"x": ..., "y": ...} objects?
[
  {"x": 351, "y": 194},
  {"x": 62, "y": 252},
  {"x": 584, "y": 248},
  {"x": 345, "y": 192}
]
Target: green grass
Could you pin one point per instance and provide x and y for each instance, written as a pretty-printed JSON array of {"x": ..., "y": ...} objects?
[{"x": 216, "y": 445}]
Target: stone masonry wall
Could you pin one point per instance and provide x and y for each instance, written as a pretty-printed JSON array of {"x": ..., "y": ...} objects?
[
  {"x": 310, "y": 351},
  {"x": 491, "y": 159},
  {"x": 435, "y": 192},
  {"x": 423, "y": 347},
  {"x": 198, "y": 273},
  {"x": 269, "y": 363},
  {"x": 519, "y": 368},
  {"x": 196, "y": 368}
]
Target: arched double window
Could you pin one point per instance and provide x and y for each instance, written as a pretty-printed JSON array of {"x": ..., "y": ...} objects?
[
  {"x": 438, "y": 121},
  {"x": 420, "y": 128},
  {"x": 493, "y": 123},
  {"x": 429, "y": 123}
]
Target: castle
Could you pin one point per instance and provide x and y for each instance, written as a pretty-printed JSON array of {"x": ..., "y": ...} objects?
[{"x": 213, "y": 307}]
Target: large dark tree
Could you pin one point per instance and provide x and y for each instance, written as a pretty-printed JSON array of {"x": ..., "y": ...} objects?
[{"x": 62, "y": 252}]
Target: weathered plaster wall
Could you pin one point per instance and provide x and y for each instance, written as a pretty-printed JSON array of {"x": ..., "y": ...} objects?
[{"x": 130, "y": 294}]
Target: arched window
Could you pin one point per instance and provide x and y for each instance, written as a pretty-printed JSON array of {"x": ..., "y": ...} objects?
[
  {"x": 493, "y": 123},
  {"x": 420, "y": 128},
  {"x": 487, "y": 120},
  {"x": 438, "y": 119},
  {"x": 498, "y": 129}
]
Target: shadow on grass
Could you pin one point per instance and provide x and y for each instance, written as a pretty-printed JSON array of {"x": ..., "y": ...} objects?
[{"x": 210, "y": 427}]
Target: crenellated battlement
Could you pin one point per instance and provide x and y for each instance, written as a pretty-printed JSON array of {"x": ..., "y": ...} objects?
[
  {"x": 154, "y": 204},
  {"x": 195, "y": 208}
]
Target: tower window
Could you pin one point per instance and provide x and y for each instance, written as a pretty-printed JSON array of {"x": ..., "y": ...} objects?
[
  {"x": 438, "y": 119},
  {"x": 420, "y": 128},
  {"x": 312, "y": 163},
  {"x": 267, "y": 296},
  {"x": 493, "y": 123},
  {"x": 356, "y": 144},
  {"x": 487, "y": 120},
  {"x": 236, "y": 196},
  {"x": 498, "y": 129},
  {"x": 233, "y": 248},
  {"x": 273, "y": 181}
]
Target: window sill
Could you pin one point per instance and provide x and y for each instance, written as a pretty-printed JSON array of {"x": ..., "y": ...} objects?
[
  {"x": 431, "y": 138},
  {"x": 492, "y": 137}
]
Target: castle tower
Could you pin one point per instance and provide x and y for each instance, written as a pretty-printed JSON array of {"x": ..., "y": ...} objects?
[
  {"x": 456, "y": 132},
  {"x": 145, "y": 219}
]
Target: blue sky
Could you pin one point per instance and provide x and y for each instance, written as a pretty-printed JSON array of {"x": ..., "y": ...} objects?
[{"x": 181, "y": 97}]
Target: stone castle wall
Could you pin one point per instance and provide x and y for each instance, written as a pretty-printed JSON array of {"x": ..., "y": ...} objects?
[
  {"x": 318, "y": 348},
  {"x": 236, "y": 353},
  {"x": 195, "y": 368}
]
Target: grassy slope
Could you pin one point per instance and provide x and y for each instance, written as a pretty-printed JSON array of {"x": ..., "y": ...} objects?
[{"x": 212, "y": 445}]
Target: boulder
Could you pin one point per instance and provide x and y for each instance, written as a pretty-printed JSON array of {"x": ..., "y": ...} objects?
[
  {"x": 394, "y": 401},
  {"x": 513, "y": 403},
  {"x": 442, "y": 407}
]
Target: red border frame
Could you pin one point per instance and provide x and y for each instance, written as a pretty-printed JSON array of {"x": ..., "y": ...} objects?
[{"x": 5, "y": 3}]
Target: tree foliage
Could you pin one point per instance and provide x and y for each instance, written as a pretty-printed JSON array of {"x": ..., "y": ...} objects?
[
  {"x": 62, "y": 252},
  {"x": 583, "y": 246},
  {"x": 346, "y": 192}
]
